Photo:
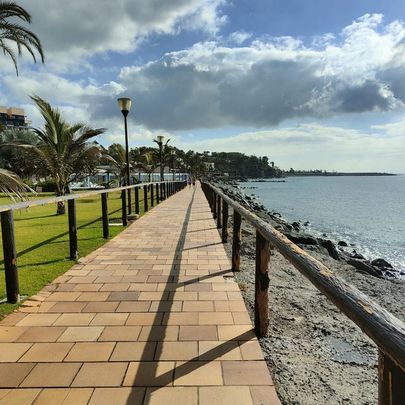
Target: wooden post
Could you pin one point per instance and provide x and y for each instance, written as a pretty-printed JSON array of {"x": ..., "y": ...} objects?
[
  {"x": 236, "y": 239},
  {"x": 157, "y": 194},
  {"x": 10, "y": 257},
  {"x": 262, "y": 285},
  {"x": 391, "y": 378},
  {"x": 124, "y": 208},
  {"x": 104, "y": 211},
  {"x": 214, "y": 203},
  {"x": 151, "y": 195},
  {"x": 137, "y": 200},
  {"x": 162, "y": 196},
  {"x": 225, "y": 215},
  {"x": 72, "y": 229},
  {"x": 145, "y": 198},
  {"x": 219, "y": 218}
]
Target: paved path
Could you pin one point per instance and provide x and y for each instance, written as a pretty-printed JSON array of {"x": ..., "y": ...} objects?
[{"x": 152, "y": 317}]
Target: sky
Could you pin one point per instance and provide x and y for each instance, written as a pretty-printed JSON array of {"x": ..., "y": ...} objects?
[{"x": 312, "y": 84}]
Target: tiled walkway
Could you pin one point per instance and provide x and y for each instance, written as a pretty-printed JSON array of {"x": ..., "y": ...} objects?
[{"x": 152, "y": 317}]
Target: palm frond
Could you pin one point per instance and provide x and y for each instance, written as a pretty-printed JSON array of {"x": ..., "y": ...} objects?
[{"x": 12, "y": 185}]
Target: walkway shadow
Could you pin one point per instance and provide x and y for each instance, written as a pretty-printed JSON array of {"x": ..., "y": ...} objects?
[{"x": 157, "y": 382}]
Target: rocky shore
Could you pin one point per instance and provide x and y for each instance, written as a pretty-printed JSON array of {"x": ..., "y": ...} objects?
[{"x": 315, "y": 353}]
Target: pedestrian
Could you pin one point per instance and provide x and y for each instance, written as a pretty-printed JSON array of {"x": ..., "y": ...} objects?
[
  {"x": 189, "y": 182},
  {"x": 193, "y": 182}
]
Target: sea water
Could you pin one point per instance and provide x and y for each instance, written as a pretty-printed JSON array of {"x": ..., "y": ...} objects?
[{"x": 366, "y": 211}]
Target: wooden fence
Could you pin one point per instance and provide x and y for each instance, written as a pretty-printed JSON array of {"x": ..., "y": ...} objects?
[
  {"x": 158, "y": 191},
  {"x": 387, "y": 331}
]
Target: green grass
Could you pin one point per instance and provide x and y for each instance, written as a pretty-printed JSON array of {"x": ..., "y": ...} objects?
[{"x": 42, "y": 240}]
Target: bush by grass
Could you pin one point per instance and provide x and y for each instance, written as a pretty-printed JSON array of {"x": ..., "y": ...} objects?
[{"x": 42, "y": 240}]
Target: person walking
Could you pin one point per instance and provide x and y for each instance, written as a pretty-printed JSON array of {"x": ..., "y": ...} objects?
[
  {"x": 189, "y": 182},
  {"x": 193, "y": 182}
]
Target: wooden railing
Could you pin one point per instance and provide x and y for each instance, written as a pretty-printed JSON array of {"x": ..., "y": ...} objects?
[
  {"x": 158, "y": 191},
  {"x": 387, "y": 331}
]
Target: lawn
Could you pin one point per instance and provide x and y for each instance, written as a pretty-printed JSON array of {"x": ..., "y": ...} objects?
[{"x": 42, "y": 240}]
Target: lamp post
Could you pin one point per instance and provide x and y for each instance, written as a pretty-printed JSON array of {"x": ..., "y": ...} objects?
[
  {"x": 124, "y": 104},
  {"x": 173, "y": 153},
  {"x": 159, "y": 141}
]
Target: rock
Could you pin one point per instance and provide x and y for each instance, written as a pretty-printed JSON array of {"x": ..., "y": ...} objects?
[
  {"x": 331, "y": 248},
  {"x": 356, "y": 255},
  {"x": 365, "y": 267},
  {"x": 306, "y": 223},
  {"x": 342, "y": 243},
  {"x": 382, "y": 264},
  {"x": 296, "y": 225},
  {"x": 301, "y": 239}
]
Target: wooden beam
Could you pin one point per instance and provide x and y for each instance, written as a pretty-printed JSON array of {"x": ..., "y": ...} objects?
[
  {"x": 104, "y": 212},
  {"x": 73, "y": 248},
  {"x": 225, "y": 214},
  {"x": 236, "y": 241}
]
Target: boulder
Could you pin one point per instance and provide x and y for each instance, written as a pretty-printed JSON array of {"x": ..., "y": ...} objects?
[
  {"x": 342, "y": 243},
  {"x": 382, "y": 264},
  {"x": 365, "y": 267},
  {"x": 301, "y": 239},
  {"x": 331, "y": 248},
  {"x": 296, "y": 225}
]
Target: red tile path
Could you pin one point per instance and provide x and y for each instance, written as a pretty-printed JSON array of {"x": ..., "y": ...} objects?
[{"x": 152, "y": 317}]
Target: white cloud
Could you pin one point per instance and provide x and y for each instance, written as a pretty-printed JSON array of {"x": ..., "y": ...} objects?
[
  {"x": 239, "y": 37},
  {"x": 74, "y": 30}
]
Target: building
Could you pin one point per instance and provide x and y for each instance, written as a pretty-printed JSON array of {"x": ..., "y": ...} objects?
[
  {"x": 210, "y": 166},
  {"x": 11, "y": 117}
]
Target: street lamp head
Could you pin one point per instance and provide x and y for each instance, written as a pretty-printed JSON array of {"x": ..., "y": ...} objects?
[
  {"x": 124, "y": 104},
  {"x": 160, "y": 138}
]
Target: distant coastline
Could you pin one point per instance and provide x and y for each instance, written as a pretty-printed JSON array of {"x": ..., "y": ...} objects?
[{"x": 320, "y": 173}]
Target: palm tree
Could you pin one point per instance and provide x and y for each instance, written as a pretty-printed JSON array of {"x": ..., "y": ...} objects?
[
  {"x": 11, "y": 31},
  {"x": 149, "y": 163},
  {"x": 115, "y": 156},
  {"x": 12, "y": 185},
  {"x": 63, "y": 150}
]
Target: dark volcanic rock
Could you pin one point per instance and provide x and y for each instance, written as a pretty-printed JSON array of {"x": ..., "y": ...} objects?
[
  {"x": 331, "y": 248},
  {"x": 342, "y": 243},
  {"x": 381, "y": 263},
  {"x": 301, "y": 239},
  {"x": 365, "y": 266}
]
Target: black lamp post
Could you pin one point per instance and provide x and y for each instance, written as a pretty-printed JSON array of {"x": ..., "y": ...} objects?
[
  {"x": 124, "y": 103},
  {"x": 159, "y": 141},
  {"x": 173, "y": 153}
]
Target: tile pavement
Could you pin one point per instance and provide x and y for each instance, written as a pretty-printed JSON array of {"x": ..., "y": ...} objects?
[{"x": 152, "y": 317}]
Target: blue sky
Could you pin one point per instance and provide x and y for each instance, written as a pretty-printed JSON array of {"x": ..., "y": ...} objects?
[{"x": 311, "y": 84}]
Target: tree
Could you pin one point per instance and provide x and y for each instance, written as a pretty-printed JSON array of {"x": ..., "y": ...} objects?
[
  {"x": 148, "y": 163},
  {"x": 12, "y": 185},
  {"x": 12, "y": 32},
  {"x": 115, "y": 156},
  {"x": 63, "y": 150}
]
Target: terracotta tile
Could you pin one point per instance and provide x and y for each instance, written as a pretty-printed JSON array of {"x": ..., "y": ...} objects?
[
  {"x": 198, "y": 373},
  {"x": 246, "y": 373},
  {"x": 94, "y": 296},
  {"x": 183, "y": 296},
  {"x": 145, "y": 319},
  {"x": 176, "y": 351},
  {"x": 133, "y": 351},
  {"x": 264, "y": 396},
  {"x": 64, "y": 296},
  {"x": 198, "y": 287},
  {"x": 11, "y": 352},
  {"x": 198, "y": 306},
  {"x": 100, "y": 307},
  {"x": 217, "y": 350},
  {"x": 20, "y": 397},
  {"x": 12, "y": 374},
  {"x": 133, "y": 306},
  {"x": 251, "y": 350},
  {"x": 74, "y": 319},
  {"x": 204, "y": 332},
  {"x": 186, "y": 318},
  {"x": 117, "y": 396},
  {"x": 120, "y": 333},
  {"x": 124, "y": 296},
  {"x": 38, "y": 320},
  {"x": 51, "y": 375},
  {"x": 109, "y": 319},
  {"x": 153, "y": 295},
  {"x": 236, "y": 332},
  {"x": 100, "y": 375},
  {"x": 11, "y": 333},
  {"x": 142, "y": 287},
  {"x": 172, "y": 396},
  {"x": 81, "y": 334},
  {"x": 166, "y": 306},
  {"x": 41, "y": 334},
  {"x": 94, "y": 351},
  {"x": 65, "y": 396},
  {"x": 115, "y": 287},
  {"x": 87, "y": 287},
  {"x": 159, "y": 333},
  {"x": 46, "y": 352},
  {"x": 215, "y": 318},
  {"x": 152, "y": 374},
  {"x": 225, "y": 395},
  {"x": 63, "y": 307},
  {"x": 241, "y": 318},
  {"x": 212, "y": 296}
]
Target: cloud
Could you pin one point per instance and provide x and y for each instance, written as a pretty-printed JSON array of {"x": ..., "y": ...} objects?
[
  {"x": 74, "y": 30},
  {"x": 267, "y": 82}
]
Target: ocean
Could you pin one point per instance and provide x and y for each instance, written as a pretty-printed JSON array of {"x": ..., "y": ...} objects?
[{"x": 366, "y": 211}]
